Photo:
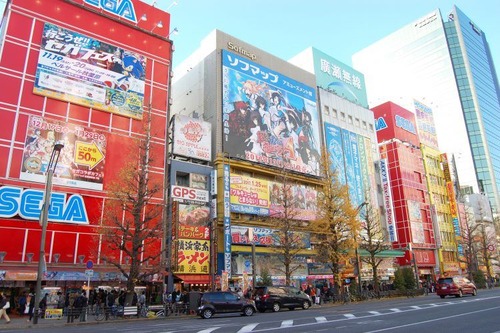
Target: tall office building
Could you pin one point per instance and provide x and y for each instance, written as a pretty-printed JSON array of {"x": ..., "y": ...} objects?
[{"x": 447, "y": 64}]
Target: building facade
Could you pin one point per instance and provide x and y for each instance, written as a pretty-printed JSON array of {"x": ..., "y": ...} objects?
[
  {"x": 88, "y": 76},
  {"x": 447, "y": 61}
]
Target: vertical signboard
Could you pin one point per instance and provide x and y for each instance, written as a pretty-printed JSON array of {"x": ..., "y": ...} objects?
[
  {"x": 334, "y": 146},
  {"x": 227, "y": 221},
  {"x": 387, "y": 195}
]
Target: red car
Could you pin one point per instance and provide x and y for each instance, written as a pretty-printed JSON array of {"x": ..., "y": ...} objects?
[{"x": 456, "y": 286}]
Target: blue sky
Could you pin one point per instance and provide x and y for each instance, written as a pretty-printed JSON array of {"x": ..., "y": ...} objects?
[{"x": 337, "y": 27}]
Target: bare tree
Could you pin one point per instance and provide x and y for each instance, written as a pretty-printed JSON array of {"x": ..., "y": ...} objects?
[
  {"x": 372, "y": 240},
  {"x": 288, "y": 240},
  {"x": 132, "y": 226},
  {"x": 469, "y": 230},
  {"x": 485, "y": 245},
  {"x": 337, "y": 223}
]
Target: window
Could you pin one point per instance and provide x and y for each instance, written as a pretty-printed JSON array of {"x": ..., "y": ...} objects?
[
  {"x": 356, "y": 122},
  {"x": 334, "y": 113},
  {"x": 349, "y": 119},
  {"x": 182, "y": 179},
  {"x": 342, "y": 116},
  {"x": 326, "y": 110}
]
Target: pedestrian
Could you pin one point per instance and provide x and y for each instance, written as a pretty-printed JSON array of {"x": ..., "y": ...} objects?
[
  {"x": 313, "y": 295},
  {"x": 318, "y": 296},
  {"x": 22, "y": 304},
  {"x": 4, "y": 305},
  {"x": 43, "y": 306},
  {"x": 31, "y": 306}
]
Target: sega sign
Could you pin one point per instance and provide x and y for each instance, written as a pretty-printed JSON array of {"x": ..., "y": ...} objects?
[
  {"x": 181, "y": 193},
  {"x": 27, "y": 203},
  {"x": 122, "y": 8}
]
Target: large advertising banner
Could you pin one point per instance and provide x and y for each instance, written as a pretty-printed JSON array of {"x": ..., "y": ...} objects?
[
  {"x": 349, "y": 164},
  {"x": 256, "y": 196},
  {"x": 79, "y": 69},
  {"x": 192, "y": 138},
  {"x": 81, "y": 163},
  {"x": 334, "y": 144},
  {"x": 265, "y": 236},
  {"x": 358, "y": 185},
  {"x": 425, "y": 124},
  {"x": 249, "y": 195},
  {"x": 269, "y": 118},
  {"x": 336, "y": 76},
  {"x": 193, "y": 256}
]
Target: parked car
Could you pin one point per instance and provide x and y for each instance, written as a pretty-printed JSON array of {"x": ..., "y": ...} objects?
[
  {"x": 456, "y": 285},
  {"x": 276, "y": 297},
  {"x": 224, "y": 302}
]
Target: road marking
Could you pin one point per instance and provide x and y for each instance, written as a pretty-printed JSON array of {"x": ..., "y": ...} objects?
[
  {"x": 320, "y": 319},
  {"x": 376, "y": 313},
  {"x": 349, "y": 315},
  {"x": 247, "y": 328},
  {"x": 415, "y": 307},
  {"x": 395, "y": 310},
  {"x": 211, "y": 329},
  {"x": 431, "y": 320},
  {"x": 287, "y": 323}
]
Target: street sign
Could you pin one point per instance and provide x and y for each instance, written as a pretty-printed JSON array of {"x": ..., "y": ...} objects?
[
  {"x": 89, "y": 273},
  {"x": 90, "y": 264}
]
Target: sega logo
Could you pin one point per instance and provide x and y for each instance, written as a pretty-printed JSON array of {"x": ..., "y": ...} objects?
[
  {"x": 122, "y": 8},
  {"x": 187, "y": 193},
  {"x": 27, "y": 203}
]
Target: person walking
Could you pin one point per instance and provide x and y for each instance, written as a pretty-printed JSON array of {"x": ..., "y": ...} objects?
[
  {"x": 3, "y": 308},
  {"x": 31, "y": 306},
  {"x": 22, "y": 304}
]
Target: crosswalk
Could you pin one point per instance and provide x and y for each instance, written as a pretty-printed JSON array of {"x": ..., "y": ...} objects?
[{"x": 334, "y": 317}]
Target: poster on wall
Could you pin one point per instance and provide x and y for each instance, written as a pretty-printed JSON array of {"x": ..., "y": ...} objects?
[
  {"x": 334, "y": 146},
  {"x": 269, "y": 118},
  {"x": 81, "y": 162},
  {"x": 79, "y": 69},
  {"x": 192, "y": 138}
]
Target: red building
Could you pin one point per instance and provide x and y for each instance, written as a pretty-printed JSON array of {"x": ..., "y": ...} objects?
[
  {"x": 401, "y": 157},
  {"x": 85, "y": 72}
]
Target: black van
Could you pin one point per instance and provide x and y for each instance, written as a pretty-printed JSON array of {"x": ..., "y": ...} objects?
[{"x": 276, "y": 297}]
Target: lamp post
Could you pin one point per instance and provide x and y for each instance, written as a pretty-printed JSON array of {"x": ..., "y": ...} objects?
[{"x": 51, "y": 167}]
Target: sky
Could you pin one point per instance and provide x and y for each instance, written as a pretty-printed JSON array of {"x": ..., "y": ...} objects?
[{"x": 339, "y": 28}]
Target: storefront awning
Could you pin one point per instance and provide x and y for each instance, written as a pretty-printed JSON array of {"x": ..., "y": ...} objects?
[
  {"x": 383, "y": 254},
  {"x": 193, "y": 278}
]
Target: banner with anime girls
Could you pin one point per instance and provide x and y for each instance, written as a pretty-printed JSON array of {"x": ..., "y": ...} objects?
[
  {"x": 82, "y": 70},
  {"x": 81, "y": 163},
  {"x": 269, "y": 118}
]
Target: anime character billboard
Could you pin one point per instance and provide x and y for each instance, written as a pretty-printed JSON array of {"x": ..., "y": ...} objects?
[
  {"x": 81, "y": 163},
  {"x": 269, "y": 118},
  {"x": 75, "y": 68}
]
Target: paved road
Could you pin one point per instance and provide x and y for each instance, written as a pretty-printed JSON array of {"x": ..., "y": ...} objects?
[{"x": 479, "y": 314}]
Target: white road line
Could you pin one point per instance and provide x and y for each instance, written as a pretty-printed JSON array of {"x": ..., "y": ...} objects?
[
  {"x": 247, "y": 328},
  {"x": 208, "y": 330},
  {"x": 349, "y": 315},
  {"x": 415, "y": 307},
  {"x": 395, "y": 310},
  {"x": 320, "y": 319},
  {"x": 287, "y": 323},
  {"x": 431, "y": 320},
  {"x": 374, "y": 313}
]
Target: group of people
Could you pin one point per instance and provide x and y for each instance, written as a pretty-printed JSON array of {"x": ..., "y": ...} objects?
[{"x": 22, "y": 305}]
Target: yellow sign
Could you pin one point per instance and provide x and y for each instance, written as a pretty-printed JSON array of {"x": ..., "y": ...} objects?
[
  {"x": 193, "y": 256},
  {"x": 88, "y": 154},
  {"x": 53, "y": 314}
]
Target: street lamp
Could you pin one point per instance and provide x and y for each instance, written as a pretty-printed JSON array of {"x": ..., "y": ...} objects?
[{"x": 44, "y": 214}]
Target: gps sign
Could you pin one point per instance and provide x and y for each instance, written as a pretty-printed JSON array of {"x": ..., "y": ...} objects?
[{"x": 181, "y": 193}]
